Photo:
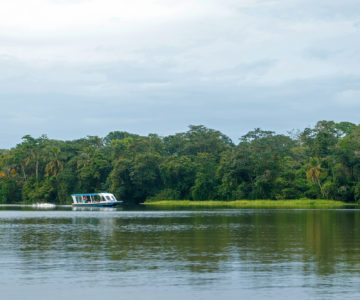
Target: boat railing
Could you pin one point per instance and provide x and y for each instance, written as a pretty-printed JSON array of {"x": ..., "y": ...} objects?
[{"x": 93, "y": 198}]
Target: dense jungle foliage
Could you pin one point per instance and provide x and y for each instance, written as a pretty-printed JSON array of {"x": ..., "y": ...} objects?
[{"x": 200, "y": 164}]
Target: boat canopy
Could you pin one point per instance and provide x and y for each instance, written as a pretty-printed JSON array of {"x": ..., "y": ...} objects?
[
  {"x": 90, "y": 198},
  {"x": 91, "y": 194}
]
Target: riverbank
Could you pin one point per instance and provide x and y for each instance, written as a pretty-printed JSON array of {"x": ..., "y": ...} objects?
[{"x": 297, "y": 204}]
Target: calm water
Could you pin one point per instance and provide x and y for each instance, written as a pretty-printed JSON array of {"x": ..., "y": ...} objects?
[{"x": 217, "y": 254}]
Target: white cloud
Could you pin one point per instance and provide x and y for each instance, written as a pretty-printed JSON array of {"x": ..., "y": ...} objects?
[
  {"x": 198, "y": 37},
  {"x": 191, "y": 58}
]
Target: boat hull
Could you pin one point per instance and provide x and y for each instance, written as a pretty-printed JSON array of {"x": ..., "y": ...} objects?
[{"x": 99, "y": 204}]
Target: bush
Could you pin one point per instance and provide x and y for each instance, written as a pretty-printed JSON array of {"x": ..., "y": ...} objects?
[{"x": 166, "y": 194}]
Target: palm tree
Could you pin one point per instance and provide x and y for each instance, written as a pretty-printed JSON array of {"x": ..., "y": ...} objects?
[
  {"x": 30, "y": 152},
  {"x": 55, "y": 164},
  {"x": 314, "y": 172},
  {"x": 21, "y": 158}
]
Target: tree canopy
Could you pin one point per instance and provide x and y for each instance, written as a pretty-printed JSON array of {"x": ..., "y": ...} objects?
[{"x": 199, "y": 164}]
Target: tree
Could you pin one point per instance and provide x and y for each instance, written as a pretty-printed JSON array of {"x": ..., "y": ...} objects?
[
  {"x": 55, "y": 164},
  {"x": 313, "y": 173},
  {"x": 118, "y": 136},
  {"x": 198, "y": 139},
  {"x": 205, "y": 183},
  {"x": 178, "y": 174}
]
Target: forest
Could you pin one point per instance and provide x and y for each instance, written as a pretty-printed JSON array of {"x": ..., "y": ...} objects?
[{"x": 322, "y": 162}]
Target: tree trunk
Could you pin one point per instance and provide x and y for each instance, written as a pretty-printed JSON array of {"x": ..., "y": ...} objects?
[
  {"x": 37, "y": 170},
  {"x": 321, "y": 189},
  {"x": 24, "y": 173}
]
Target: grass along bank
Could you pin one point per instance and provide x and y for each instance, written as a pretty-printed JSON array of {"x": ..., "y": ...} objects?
[{"x": 301, "y": 203}]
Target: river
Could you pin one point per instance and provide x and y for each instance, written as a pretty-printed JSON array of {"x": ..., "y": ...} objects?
[{"x": 187, "y": 254}]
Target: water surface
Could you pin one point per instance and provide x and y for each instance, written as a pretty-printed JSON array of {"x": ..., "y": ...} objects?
[{"x": 199, "y": 254}]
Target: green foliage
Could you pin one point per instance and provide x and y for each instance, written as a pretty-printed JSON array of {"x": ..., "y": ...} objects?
[
  {"x": 205, "y": 181},
  {"x": 357, "y": 192},
  {"x": 199, "y": 164},
  {"x": 118, "y": 135},
  {"x": 178, "y": 174},
  {"x": 10, "y": 191}
]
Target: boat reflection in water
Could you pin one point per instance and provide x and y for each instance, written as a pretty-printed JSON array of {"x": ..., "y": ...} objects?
[{"x": 95, "y": 208}]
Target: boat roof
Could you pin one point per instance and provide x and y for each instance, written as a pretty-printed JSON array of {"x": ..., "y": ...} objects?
[{"x": 91, "y": 194}]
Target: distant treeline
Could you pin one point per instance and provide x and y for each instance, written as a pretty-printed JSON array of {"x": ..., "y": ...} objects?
[{"x": 200, "y": 164}]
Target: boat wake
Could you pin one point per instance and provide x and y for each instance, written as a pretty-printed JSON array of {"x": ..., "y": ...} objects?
[{"x": 43, "y": 205}]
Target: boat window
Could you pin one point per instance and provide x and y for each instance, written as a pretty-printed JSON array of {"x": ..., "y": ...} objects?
[
  {"x": 108, "y": 198},
  {"x": 112, "y": 197}
]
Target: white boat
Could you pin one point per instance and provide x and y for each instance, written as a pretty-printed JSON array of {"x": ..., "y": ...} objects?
[{"x": 95, "y": 199}]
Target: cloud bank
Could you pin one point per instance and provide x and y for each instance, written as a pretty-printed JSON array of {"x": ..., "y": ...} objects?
[{"x": 72, "y": 68}]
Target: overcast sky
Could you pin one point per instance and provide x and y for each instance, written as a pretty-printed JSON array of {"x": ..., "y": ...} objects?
[{"x": 72, "y": 68}]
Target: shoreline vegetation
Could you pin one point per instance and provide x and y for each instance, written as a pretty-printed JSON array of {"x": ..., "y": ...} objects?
[
  {"x": 296, "y": 204},
  {"x": 200, "y": 164}
]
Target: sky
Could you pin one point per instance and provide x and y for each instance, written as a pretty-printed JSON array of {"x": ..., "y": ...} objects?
[{"x": 72, "y": 68}]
